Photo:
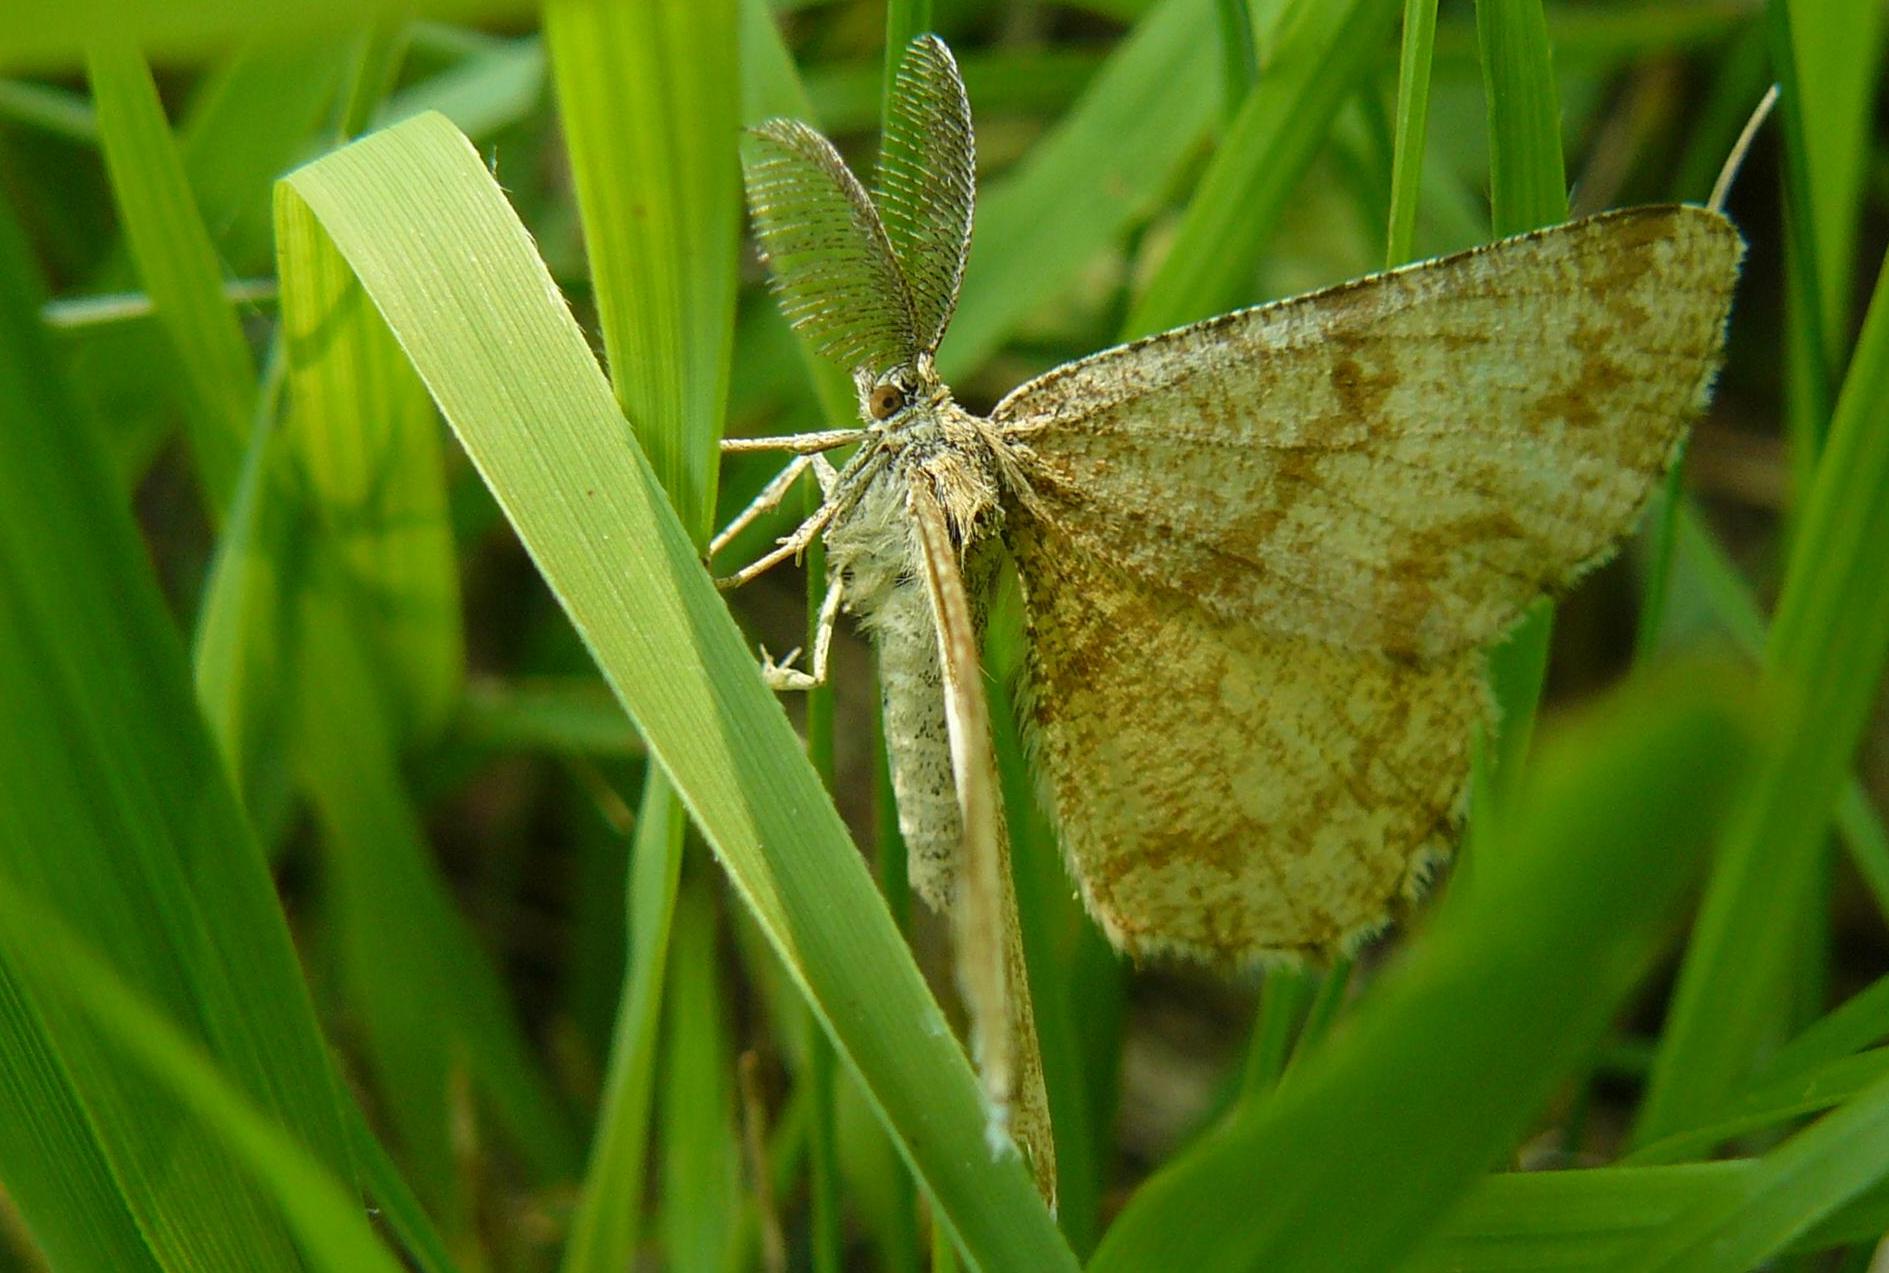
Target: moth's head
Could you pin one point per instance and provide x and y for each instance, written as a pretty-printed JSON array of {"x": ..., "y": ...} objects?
[
  {"x": 892, "y": 398},
  {"x": 871, "y": 279}
]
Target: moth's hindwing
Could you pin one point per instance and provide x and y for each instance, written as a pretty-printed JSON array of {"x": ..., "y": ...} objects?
[
  {"x": 1223, "y": 792},
  {"x": 1403, "y": 463}
]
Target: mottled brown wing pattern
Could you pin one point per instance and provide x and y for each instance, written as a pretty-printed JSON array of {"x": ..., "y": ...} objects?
[
  {"x": 987, "y": 942},
  {"x": 1224, "y": 792},
  {"x": 1402, "y": 463}
]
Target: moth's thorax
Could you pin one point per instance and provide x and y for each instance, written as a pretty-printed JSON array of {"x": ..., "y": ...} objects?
[{"x": 873, "y": 547}]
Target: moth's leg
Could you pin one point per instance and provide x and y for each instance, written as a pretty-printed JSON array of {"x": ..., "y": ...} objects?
[
  {"x": 769, "y": 499},
  {"x": 825, "y": 474},
  {"x": 783, "y": 675},
  {"x": 792, "y": 546},
  {"x": 798, "y": 443}
]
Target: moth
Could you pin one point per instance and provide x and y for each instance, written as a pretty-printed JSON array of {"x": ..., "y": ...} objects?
[{"x": 1260, "y": 556}]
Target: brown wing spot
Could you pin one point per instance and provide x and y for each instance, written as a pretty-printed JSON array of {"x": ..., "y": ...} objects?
[{"x": 1361, "y": 393}]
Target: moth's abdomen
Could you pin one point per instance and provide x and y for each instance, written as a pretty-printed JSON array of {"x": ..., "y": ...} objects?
[
  {"x": 874, "y": 549},
  {"x": 918, "y": 745}
]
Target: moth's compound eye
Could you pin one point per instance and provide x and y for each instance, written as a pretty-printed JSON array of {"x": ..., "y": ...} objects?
[{"x": 886, "y": 401}]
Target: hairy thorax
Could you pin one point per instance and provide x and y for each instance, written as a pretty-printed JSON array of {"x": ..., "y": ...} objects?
[{"x": 874, "y": 552}]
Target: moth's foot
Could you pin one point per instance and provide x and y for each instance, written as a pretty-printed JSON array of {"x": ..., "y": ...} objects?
[{"x": 784, "y": 675}]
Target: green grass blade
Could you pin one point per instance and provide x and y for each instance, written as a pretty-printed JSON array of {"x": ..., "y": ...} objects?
[
  {"x": 1569, "y": 1219},
  {"x": 116, "y": 815},
  {"x": 1105, "y": 166},
  {"x": 325, "y": 1215},
  {"x": 366, "y": 472},
  {"x": 1528, "y": 183},
  {"x": 1528, "y": 189},
  {"x": 1794, "y": 1186},
  {"x": 58, "y": 111},
  {"x": 394, "y": 1199},
  {"x": 1702, "y": 563},
  {"x": 1837, "y": 51},
  {"x": 410, "y": 208},
  {"x": 1413, "y": 116},
  {"x": 701, "y": 1158},
  {"x": 1342, "y": 1168},
  {"x": 1054, "y": 927},
  {"x": 1824, "y": 657},
  {"x": 488, "y": 91},
  {"x": 1328, "y": 51},
  {"x": 1768, "y": 1104},
  {"x": 48, "y": 35},
  {"x": 609, "y": 1211},
  {"x": 178, "y": 263},
  {"x": 401, "y": 939},
  {"x": 645, "y": 97},
  {"x": 254, "y": 115}
]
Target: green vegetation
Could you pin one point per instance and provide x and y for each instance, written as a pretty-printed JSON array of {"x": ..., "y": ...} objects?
[{"x": 347, "y": 922}]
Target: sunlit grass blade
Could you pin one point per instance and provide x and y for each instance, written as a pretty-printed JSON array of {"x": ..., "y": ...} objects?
[
  {"x": 1106, "y": 165},
  {"x": 1528, "y": 184},
  {"x": 410, "y": 208},
  {"x": 1525, "y": 970},
  {"x": 1824, "y": 658},
  {"x": 118, "y": 820},
  {"x": 1274, "y": 138},
  {"x": 178, "y": 263},
  {"x": 322, "y": 1211}
]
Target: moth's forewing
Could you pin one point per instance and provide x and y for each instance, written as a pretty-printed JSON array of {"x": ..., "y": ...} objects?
[
  {"x": 926, "y": 182},
  {"x": 1225, "y": 793},
  {"x": 1260, "y": 556},
  {"x": 1402, "y": 463},
  {"x": 832, "y": 265},
  {"x": 986, "y": 941}
]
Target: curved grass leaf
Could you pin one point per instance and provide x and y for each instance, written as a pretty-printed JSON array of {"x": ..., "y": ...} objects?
[{"x": 420, "y": 220}]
